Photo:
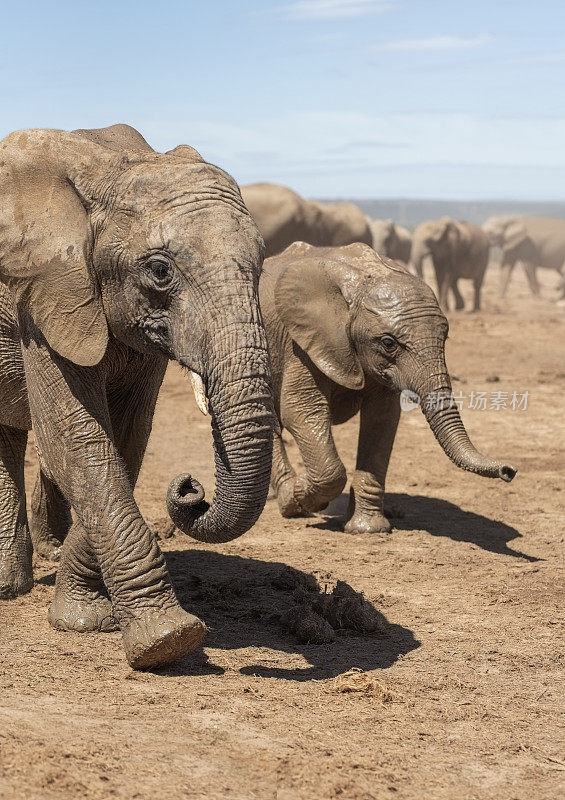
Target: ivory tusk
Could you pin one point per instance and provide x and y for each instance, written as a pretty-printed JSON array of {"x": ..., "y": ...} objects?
[{"x": 199, "y": 391}]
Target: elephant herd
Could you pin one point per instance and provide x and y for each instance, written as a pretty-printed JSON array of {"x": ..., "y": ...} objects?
[
  {"x": 457, "y": 249},
  {"x": 115, "y": 259}
]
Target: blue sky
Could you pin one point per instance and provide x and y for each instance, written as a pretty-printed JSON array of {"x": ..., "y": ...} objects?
[{"x": 350, "y": 98}]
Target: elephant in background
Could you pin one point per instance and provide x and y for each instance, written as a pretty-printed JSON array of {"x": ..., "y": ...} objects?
[
  {"x": 535, "y": 241},
  {"x": 348, "y": 331},
  {"x": 115, "y": 259},
  {"x": 284, "y": 217},
  {"x": 338, "y": 224},
  {"x": 391, "y": 240},
  {"x": 458, "y": 250}
]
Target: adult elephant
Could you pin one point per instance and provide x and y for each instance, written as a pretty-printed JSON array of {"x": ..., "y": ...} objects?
[
  {"x": 535, "y": 241},
  {"x": 348, "y": 331},
  {"x": 339, "y": 223},
  {"x": 116, "y": 259},
  {"x": 283, "y": 217},
  {"x": 458, "y": 250},
  {"x": 391, "y": 240}
]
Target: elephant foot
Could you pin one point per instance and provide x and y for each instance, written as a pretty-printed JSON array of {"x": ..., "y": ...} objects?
[
  {"x": 87, "y": 613},
  {"x": 161, "y": 637},
  {"x": 15, "y": 582},
  {"x": 368, "y": 523},
  {"x": 288, "y": 505},
  {"x": 47, "y": 547},
  {"x": 16, "y": 571},
  {"x": 299, "y": 497}
]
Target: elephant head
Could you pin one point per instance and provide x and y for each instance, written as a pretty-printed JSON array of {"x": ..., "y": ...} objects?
[
  {"x": 336, "y": 224},
  {"x": 362, "y": 319},
  {"x": 434, "y": 237},
  {"x": 515, "y": 236},
  {"x": 100, "y": 236},
  {"x": 506, "y": 232}
]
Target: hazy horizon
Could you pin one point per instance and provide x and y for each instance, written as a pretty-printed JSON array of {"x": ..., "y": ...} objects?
[{"x": 412, "y": 211}]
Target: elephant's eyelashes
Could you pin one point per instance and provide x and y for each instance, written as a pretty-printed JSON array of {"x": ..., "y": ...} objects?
[
  {"x": 161, "y": 271},
  {"x": 388, "y": 343}
]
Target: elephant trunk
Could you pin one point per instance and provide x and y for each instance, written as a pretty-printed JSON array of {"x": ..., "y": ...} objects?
[
  {"x": 444, "y": 420},
  {"x": 241, "y": 406}
]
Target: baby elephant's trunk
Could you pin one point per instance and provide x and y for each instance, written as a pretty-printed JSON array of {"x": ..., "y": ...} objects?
[{"x": 443, "y": 417}]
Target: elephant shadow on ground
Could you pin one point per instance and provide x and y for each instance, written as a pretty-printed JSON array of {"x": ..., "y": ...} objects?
[
  {"x": 244, "y": 602},
  {"x": 437, "y": 517}
]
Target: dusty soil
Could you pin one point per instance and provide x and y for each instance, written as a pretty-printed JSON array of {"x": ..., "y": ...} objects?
[{"x": 455, "y": 695}]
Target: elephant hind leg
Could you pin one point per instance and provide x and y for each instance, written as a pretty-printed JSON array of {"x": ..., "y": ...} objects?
[
  {"x": 283, "y": 478},
  {"x": 81, "y": 602},
  {"x": 51, "y": 518},
  {"x": 459, "y": 302},
  {"x": 16, "y": 574},
  {"x": 477, "y": 301}
]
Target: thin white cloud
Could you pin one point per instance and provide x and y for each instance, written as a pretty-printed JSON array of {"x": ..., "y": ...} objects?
[
  {"x": 332, "y": 9},
  {"x": 543, "y": 58},
  {"x": 421, "y": 154},
  {"x": 438, "y": 43}
]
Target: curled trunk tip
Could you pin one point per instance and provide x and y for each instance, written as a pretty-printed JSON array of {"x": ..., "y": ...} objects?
[
  {"x": 447, "y": 426},
  {"x": 185, "y": 501},
  {"x": 507, "y": 472}
]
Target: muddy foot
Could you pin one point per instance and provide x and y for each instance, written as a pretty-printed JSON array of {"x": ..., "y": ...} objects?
[
  {"x": 161, "y": 637},
  {"x": 14, "y": 585},
  {"x": 368, "y": 523},
  {"x": 47, "y": 547},
  {"x": 15, "y": 578},
  {"x": 92, "y": 612},
  {"x": 288, "y": 505}
]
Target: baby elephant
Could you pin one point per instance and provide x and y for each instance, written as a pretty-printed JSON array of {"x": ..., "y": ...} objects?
[{"x": 348, "y": 331}]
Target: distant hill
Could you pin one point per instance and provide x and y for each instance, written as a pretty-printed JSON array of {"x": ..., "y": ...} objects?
[{"x": 412, "y": 212}]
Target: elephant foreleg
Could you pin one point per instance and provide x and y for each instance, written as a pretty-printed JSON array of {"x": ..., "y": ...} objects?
[
  {"x": 380, "y": 413},
  {"x": 306, "y": 415},
  {"x": 443, "y": 284},
  {"x": 16, "y": 574},
  {"x": 532, "y": 278},
  {"x": 505, "y": 275},
  {"x": 81, "y": 602},
  {"x": 283, "y": 473},
  {"x": 73, "y": 429},
  {"x": 478, "y": 285},
  {"x": 50, "y": 518},
  {"x": 459, "y": 302}
]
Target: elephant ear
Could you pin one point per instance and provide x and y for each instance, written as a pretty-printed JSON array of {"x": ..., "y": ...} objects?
[
  {"x": 45, "y": 242},
  {"x": 514, "y": 235},
  {"x": 313, "y": 297}
]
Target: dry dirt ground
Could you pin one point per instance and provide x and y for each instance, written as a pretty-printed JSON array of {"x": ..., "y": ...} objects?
[{"x": 456, "y": 695}]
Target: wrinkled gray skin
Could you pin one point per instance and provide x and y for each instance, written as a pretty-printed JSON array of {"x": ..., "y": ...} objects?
[
  {"x": 391, "y": 240},
  {"x": 283, "y": 217},
  {"x": 117, "y": 259},
  {"x": 533, "y": 241},
  {"x": 458, "y": 250},
  {"x": 347, "y": 332}
]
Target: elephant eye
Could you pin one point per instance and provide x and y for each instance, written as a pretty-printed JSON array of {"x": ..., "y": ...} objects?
[
  {"x": 161, "y": 271},
  {"x": 388, "y": 343}
]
